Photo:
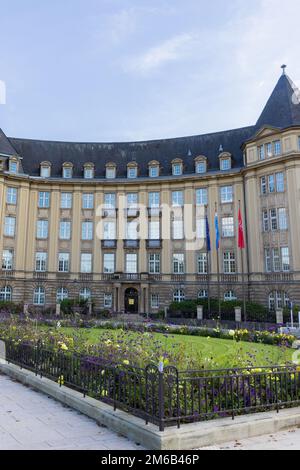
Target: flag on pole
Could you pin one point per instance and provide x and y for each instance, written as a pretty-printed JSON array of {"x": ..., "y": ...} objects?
[
  {"x": 208, "y": 244},
  {"x": 241, "y": 238},
  {"x": 217, "y": 231}
]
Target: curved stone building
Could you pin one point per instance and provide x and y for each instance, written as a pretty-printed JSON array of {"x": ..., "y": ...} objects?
[{"x": 109, "y": 220}]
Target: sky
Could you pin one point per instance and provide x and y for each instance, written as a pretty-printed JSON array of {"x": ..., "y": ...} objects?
[{"x": 128, "y": 70}]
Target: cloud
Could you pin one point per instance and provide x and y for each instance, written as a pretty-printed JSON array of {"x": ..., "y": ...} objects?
[{"x": 173, "y": 49}]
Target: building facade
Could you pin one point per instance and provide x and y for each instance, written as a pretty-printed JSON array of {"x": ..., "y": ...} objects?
[{"x": 125, "y": 223}]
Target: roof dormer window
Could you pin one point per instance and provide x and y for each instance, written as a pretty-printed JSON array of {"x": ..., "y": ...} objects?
[
  {"x": 67, "y": 170},
  {"x": 177, "y": 167},
  {"x": 45, "y": 170},
  {"x": 111, "y": 171},
  {"x": 13, "y": 165},
  {"x": 132, "y": 170},
  {"x": 89, "y": 171},
  {"x": 153, "y": 169},
  {"x": 200, "y": 165},
  {"x": 225, "y": 161}
]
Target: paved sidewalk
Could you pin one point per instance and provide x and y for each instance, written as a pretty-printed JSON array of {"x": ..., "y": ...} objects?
[
  {"x": 30, "y": 420},
  {"x": 288, "y": 440}
]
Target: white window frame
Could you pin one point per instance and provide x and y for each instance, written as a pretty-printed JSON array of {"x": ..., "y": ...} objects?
[{"x": 11, "y": 196}]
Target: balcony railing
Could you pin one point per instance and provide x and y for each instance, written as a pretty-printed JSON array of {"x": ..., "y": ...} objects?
[
  {"x": 8, "y": 273},
  {"x": 109, "y": 244},
  {"x": 40, "y": 275},
  {"x": 229, "y": 278},
  {"x": 154, "y": 243},
  {"x": 133, "y": 244},
  {"x": 86, "y": 276},
  {"x": 178, "y": 277},
  {"x": 279, "y": 277}
]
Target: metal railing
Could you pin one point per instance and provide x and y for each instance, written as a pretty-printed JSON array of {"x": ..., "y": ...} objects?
[{"x": 164, "y": 396}]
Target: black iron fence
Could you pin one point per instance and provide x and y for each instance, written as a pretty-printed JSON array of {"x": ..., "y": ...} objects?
[{"x": 164, "y": 396}]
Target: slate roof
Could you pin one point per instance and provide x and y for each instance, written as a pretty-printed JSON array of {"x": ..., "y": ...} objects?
[{"x": 282, "y": 110}]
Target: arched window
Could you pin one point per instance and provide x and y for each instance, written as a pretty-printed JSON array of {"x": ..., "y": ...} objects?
[
  {"x": 61, "y": 294},
  {"x": 229, "y": 296},
  {"x": 278, "y": 299},
  {"x": 203, "y": 294},
  {"x": 178, "y": 295},
  {"x": 153, "y": 169},
  {"x": 85, "y": 294},
  {"x": 88, "y": 171},
  {"x": 177, "y": 167},
  {"x": 39, "y": 296},
  {"x": 110, "y": 171},
  {"x": 67, "y": 170},
  {"x": 225, "y": 161},
  {"x": 132, "y": 170},
  {"x": 200, "y": 165},
  {"x": 6, "y": 294},
  {"x": 45, "y": 170}
]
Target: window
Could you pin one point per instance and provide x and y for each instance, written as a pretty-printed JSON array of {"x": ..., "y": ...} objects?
[
  {"x": 265, "y": 217},
  {"x": 154, "y": 300},
  {"x": 285, "y": 259},
  {"x": 178, "y": 263},
  {"x": 42, "y": 229},
  {"x": 61, "y": 294},
  {"x": 178, "y": 295},
  {"x": 9, "y": 226},
  {"x": 261, "y": 152},
  {"x": 278, "y": 299},
  {"x": 65, "y": 230},
  {"x": 110, "y": 173},
  {"x": 269, "y": 149},
  {"x": 44, "y": 200},
  {"x": 132, "y": 230},
  {"x": 154, "y": 171},
  {"x": 202, "y": 197},
  {"x": 177, "y": 199},
  {"x": 273, "y": 219},
  {"x": 67, "y": 172},
  {"x": 201, "y": 229},
  {"x": 13, "y": 166},
  {"x": 85, "y": 294},
  {"x": 154, "y": 200},
  {"x": 225, "y": 164},
  {"x": 108, "y": 301},
  {"x": 109, "y": 230},
  {"x": 202, "y": 263},
  {"x": 276, "y": 260},
  {"x": 88, "y": 201},
  {"x": 282, "y": 218},
  {"x": 40, "y": 262},
  {"x": 203, "y": 294},
  {"x": 177, "y": 169},
  {"x": 271, "y": 180},
  {"x": 45, "y": 172},
  {"x": 7, "y": 260},
  {"x": 154, "y": 230},
  {"x": 230, "y": 296},
  {"x": 200, "y": 167},
  {"x": 280, "y": 182},
  {"x": 226, "y": 194},
  {"x": 88, "y": 173},
  {"x": 132, "y": 200},
  {"x": 131, "y": 263},
  {"x": 132, "y": 172},
  {"x": 227, "y": 227},
  {"x": 277, "y": 147},
  {"x": 39, "y": 297},
  {"x": 154, "y": 263},
  {"x": 263, "y": 185},
  {"x": 6, "y": 294},
  {"x": 66, "y": 201},
  {"x": 86, "y": 263},
  {"x": 229, "y": 262},
  {"x": 87, "y": 229},
  {"x": 177, "y": 231},
  {"x": 11, "y": 196},
  {"x": 63, "y": 262},
  {"x": 110, "y": 200},
  {"x": 109, "y": 263},
  {"x": 268, "y": 265}
]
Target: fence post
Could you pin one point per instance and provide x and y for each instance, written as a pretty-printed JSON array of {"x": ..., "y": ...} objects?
[{"x": 161, "y": 396}]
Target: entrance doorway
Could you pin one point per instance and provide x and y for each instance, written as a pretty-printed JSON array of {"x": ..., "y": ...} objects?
[{"x": 131, "y": 300}]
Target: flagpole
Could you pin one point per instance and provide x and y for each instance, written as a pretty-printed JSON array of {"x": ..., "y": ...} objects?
[
  {"x": 243, "y": 275},
  {"x": 218, "y": 261},
  {"x": 208, "y": 261}
]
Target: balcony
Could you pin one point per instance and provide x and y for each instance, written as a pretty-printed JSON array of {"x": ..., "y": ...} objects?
[
  {"x": 40, "y": 275},
  {"x": 229, "y": 278},
  {"x": 8, "y": 273},
  {"x": 109, "y": 244},
  {"x": 178, "y": 277},
  {"x": 132, "y": 244},
  {"x": 279, "y": 277},
  {"x": 86, "y": 276},
  {"x": 203, "y": 278},
  {"x": 154, "y": 243}
]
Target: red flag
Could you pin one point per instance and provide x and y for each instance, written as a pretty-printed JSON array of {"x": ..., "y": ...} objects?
[{"x": 241, "y": 240}]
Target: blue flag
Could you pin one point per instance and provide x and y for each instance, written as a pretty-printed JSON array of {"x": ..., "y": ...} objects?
[
  {"x": 208, "y": 245},
  {"x": 217, "y": 231}
]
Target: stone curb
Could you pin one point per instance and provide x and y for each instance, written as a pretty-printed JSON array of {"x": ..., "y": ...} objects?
[{"x": 189, "y": 436}]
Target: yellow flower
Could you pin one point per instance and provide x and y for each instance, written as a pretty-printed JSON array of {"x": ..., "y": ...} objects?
[
  {"x": 126, "y": 362},
  {"x": 61, "y": 380},
  {"x": 63, "y": 346},
  {"x": 104, "y": 393}
]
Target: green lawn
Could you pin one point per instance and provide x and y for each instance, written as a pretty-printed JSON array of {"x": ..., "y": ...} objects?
[{"x": 216, "y": 352}]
